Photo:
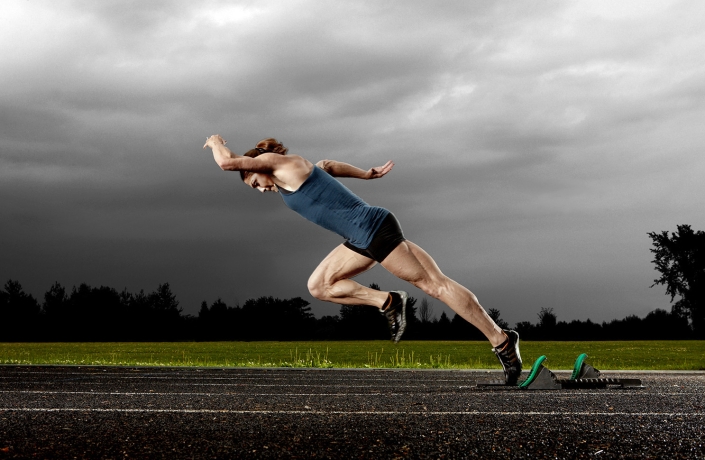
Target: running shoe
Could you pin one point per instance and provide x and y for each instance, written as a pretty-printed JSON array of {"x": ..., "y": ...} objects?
[
  {"x": 396, "y": 314},
  {"x": 510, "y": 358}
]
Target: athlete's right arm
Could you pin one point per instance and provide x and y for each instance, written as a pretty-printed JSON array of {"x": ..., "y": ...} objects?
[{"x": 229, "y": 161}]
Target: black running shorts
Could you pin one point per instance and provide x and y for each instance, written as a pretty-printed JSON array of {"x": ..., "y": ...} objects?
[{"x": 388, "y": 236}]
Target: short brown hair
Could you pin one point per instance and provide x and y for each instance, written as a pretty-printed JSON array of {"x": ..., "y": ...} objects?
[
  {"x": 272, "y": 145},
  {"x": 264, "y": 146}
]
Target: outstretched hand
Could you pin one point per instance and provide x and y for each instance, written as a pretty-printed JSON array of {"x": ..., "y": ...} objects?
[
  {"x": 376, "y": 173},
  {"x": 214, "y": 140}
]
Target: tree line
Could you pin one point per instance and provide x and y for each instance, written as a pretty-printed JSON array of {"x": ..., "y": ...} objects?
[{"x": 102, "y": 313}]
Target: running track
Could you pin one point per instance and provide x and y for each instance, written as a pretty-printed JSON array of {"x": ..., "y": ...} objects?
[{"x": 99, "y": 412}]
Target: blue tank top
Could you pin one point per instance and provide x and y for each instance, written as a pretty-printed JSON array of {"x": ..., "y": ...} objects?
[{"x": 325, "y": 201}]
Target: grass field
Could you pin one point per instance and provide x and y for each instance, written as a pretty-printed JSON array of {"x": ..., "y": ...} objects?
[{"x": 656, "y": 355}]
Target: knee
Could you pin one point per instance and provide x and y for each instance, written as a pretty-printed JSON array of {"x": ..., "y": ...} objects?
[
  {"x": 316, "y": 287},
  {"x": 436, "y": 288}
]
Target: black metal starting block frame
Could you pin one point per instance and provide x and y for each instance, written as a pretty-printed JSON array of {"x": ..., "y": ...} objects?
[{"x": 583, "y": 376}]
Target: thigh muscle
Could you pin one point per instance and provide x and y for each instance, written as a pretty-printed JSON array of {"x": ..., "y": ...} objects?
[
  {"x": 341, "y": 263},
  {"x": 411, "y": 263}
]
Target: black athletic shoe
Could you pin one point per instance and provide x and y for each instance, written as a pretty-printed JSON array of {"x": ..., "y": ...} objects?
[
  {"x": 396, "y": 314},
  {"x": 509, "y": 357}
]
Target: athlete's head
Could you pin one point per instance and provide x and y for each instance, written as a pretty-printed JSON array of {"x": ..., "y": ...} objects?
[
  {"x": 271, "y": 145},
  {"x": 262, "y": 181}
]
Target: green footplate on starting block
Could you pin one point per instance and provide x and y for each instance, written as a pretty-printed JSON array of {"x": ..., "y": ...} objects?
[
  {"x": 582, "y": 370},
  {"x": 578, "y": 366},
  {"x": 540, "y": 378},
  {"x": 535, "y": 369}
]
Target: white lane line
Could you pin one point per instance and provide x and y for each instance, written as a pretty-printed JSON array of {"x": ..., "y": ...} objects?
[
  {"x": 252, "y": 376},
  {"x": 297, "y": 385},
  {"x": 245, "y": 385},
  {"x": 118, "y": 393},
  {"x": 316, "y": 412},
  {"x": 457, "y": 391},
  {"x": 208, "y": 377},
  {"x": 85, "y": 379},
  {"x": 522, "y": 394}
]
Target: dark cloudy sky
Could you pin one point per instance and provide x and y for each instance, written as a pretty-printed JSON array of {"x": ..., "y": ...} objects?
[{"x": 536, "y": 143}]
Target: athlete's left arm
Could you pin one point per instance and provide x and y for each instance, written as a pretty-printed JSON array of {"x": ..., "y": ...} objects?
[{"x": 340, "y": 169}]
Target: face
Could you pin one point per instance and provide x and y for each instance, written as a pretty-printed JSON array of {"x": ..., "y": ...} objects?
[{"x": 262, "y": 182}]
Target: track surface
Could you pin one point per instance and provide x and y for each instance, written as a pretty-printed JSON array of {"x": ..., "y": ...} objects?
[{"x": 95, "y": 412}]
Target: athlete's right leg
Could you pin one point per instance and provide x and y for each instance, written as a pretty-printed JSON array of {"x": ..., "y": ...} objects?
[
  {"x": 331, "y": 282},
  {"x": 411, "y": 263}
]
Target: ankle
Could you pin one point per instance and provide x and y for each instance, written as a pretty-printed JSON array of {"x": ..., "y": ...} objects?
[
  {"x": 387, "y": 302},
  {"x": 504, "y": 343},
  {"x": 392, "y": 298}
]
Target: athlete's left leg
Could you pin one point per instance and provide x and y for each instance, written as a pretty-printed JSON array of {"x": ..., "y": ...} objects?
[{"x": 330, "y": 281}]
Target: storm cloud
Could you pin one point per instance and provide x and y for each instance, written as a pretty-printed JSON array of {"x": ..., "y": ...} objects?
[{"x": 535, "y": 143}]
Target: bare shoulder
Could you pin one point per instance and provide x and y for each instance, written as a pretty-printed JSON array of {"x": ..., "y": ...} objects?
[
  {"x": 292, "y": 170},
  {"x": 275, "y": 161},
  {"x": 287, "y": 161}
]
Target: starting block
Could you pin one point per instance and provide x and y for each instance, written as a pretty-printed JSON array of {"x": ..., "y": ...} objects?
[{"x": 583, "y": 376}]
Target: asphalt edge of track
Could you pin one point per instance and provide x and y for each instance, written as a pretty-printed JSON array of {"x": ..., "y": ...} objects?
[{"x": 325, "y": 369}]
